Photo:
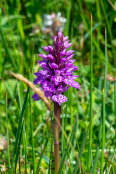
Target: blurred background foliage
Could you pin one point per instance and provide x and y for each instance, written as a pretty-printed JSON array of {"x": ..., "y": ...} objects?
[{"x": 25, "y": 26}]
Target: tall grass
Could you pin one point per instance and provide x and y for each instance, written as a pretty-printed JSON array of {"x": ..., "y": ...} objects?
[
  {"x": 7, "y": 122},
  {"x": 91, "y": 108},
  {"x": 104, "y": 95},
  {"x": 87, "y": 128}
]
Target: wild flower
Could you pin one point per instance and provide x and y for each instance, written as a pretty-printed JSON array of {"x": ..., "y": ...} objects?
[
  {"x": 56, "y": 78},
  {"x": 3, "y": 168},
  {"x": 3, "y": 144},
  {"x": 53, "y": 23},
  {"x": 57, "y": 74}
]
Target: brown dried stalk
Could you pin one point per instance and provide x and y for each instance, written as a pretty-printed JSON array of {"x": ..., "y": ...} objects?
[
  {"x": 112, "y": 5},
  {"x": 35, "y": 89}
]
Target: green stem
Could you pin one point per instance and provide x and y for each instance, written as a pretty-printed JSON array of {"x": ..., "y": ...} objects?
[
  {"x": 7, "y": 50},
  {"x": 115, "y": 106},
  {"x": 31, "y": 125},
  {"x": 25, "y": 152},
  {"x": 57, "y": 111},
  {"x": 91, "y": 91},
  {"x": 8, "y": 151},
  {"x": 104, "y": 93}
]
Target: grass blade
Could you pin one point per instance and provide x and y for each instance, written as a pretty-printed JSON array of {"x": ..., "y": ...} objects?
[
  {"x": 67, "y": 148},
  {"x": 91, "y": 91},
  {"x": 81, "y": 150},
  {"x": 104, "y": 94},
  {"x": 98, "y": 141},
  {"x": 68, "y": 18},
  {"x": 7, "y": 50},
  {"x": 18, "y": 130},
  {"x": 25, "y": 138},
  {"x": 43, "y": 152},
  {"x": 102, "y": 150},
  {"x": 8, "y": 151},
  {"x": 18, "y": 149},
  {"x": 32, "y": 138}
]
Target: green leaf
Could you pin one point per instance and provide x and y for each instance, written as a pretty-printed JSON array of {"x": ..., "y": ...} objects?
[
  {"x": 18, "y": 131},
  {"x": 42, "y": 152}
]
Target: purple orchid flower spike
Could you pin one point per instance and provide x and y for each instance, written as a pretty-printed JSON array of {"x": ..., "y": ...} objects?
[
  {"x": 57, "y": 74},
  {"x": 56, "y": 78}
]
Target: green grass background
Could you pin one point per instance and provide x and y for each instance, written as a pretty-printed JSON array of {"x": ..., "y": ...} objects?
[{"x": 88, "y": 119}]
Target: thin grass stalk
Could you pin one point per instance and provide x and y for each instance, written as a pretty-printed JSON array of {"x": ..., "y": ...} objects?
[
  {"x": 10, "y": 26},
  {"x": 91, "y": 92},
  {"x": 38, "y": 166},
  {"x": 77, "y": 165},
  {"x": 98, "y": 41},
  {"x": 107, "y": 22},
  {"x": 68, "y": 147},
  {"x": 31, "y": 124},
  {"x": 101, "y": 93},
  {"x": 20, "y": 106},
  {"x": 25, "y": 153},
  {"x": 71, "y": 105},
  {"x": 98, "y": 141},
  {"x": 18, "y": 131},
  {"x": 51, "y": 164},
  {"x": 8, "y": 151},
  {"x": 98, "y": 10},
  {"x": 115, "y": 102},
  {"x": 115, "y": 108},
  {"x": 18, "y": 149},
  {"x": 1, "y": 74},
  {"x": 109, "y": 28},
  {"x": 68, "y": 17},
  {"x": 24, "y": 145},
  {"x": 104, "y": 93},
  {"x": 11, "y": 32},
  {"x": 82, "y": 14},
  {"x": 19, "y": 164},
  {"x": 101, "y": 151},
  {"x": 7, "y": 50}
]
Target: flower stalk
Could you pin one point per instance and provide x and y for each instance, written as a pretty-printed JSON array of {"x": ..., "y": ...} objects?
[
  {"x": 57, "y": 111},
  {"x": 56, "y": 78}
]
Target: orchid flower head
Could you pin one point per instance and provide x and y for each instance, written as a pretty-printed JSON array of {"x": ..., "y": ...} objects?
[{"x": 57, "y": 74}]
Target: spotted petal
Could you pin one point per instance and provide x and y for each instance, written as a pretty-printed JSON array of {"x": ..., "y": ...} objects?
[
  {"x": 59, "y": 98},
  {"x": 76, "y": 85},
  {"x": 35, "y": 97},
  {"x": 57, "y": 79},
  {"x": 48, "y": 86}
]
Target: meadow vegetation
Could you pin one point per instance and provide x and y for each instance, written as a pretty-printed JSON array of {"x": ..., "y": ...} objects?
[{"x": 88, "y": 118}]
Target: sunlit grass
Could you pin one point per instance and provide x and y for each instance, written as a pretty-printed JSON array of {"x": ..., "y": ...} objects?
[{"x": 87, "y": 127}]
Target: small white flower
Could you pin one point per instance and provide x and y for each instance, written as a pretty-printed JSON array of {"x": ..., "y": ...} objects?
[
  {"x": 48, "y": 23},
  {"x": 47, "y": 17}
]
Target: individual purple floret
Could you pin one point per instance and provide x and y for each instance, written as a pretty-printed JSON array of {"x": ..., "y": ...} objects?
[{"x": 57, "y": 74}]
